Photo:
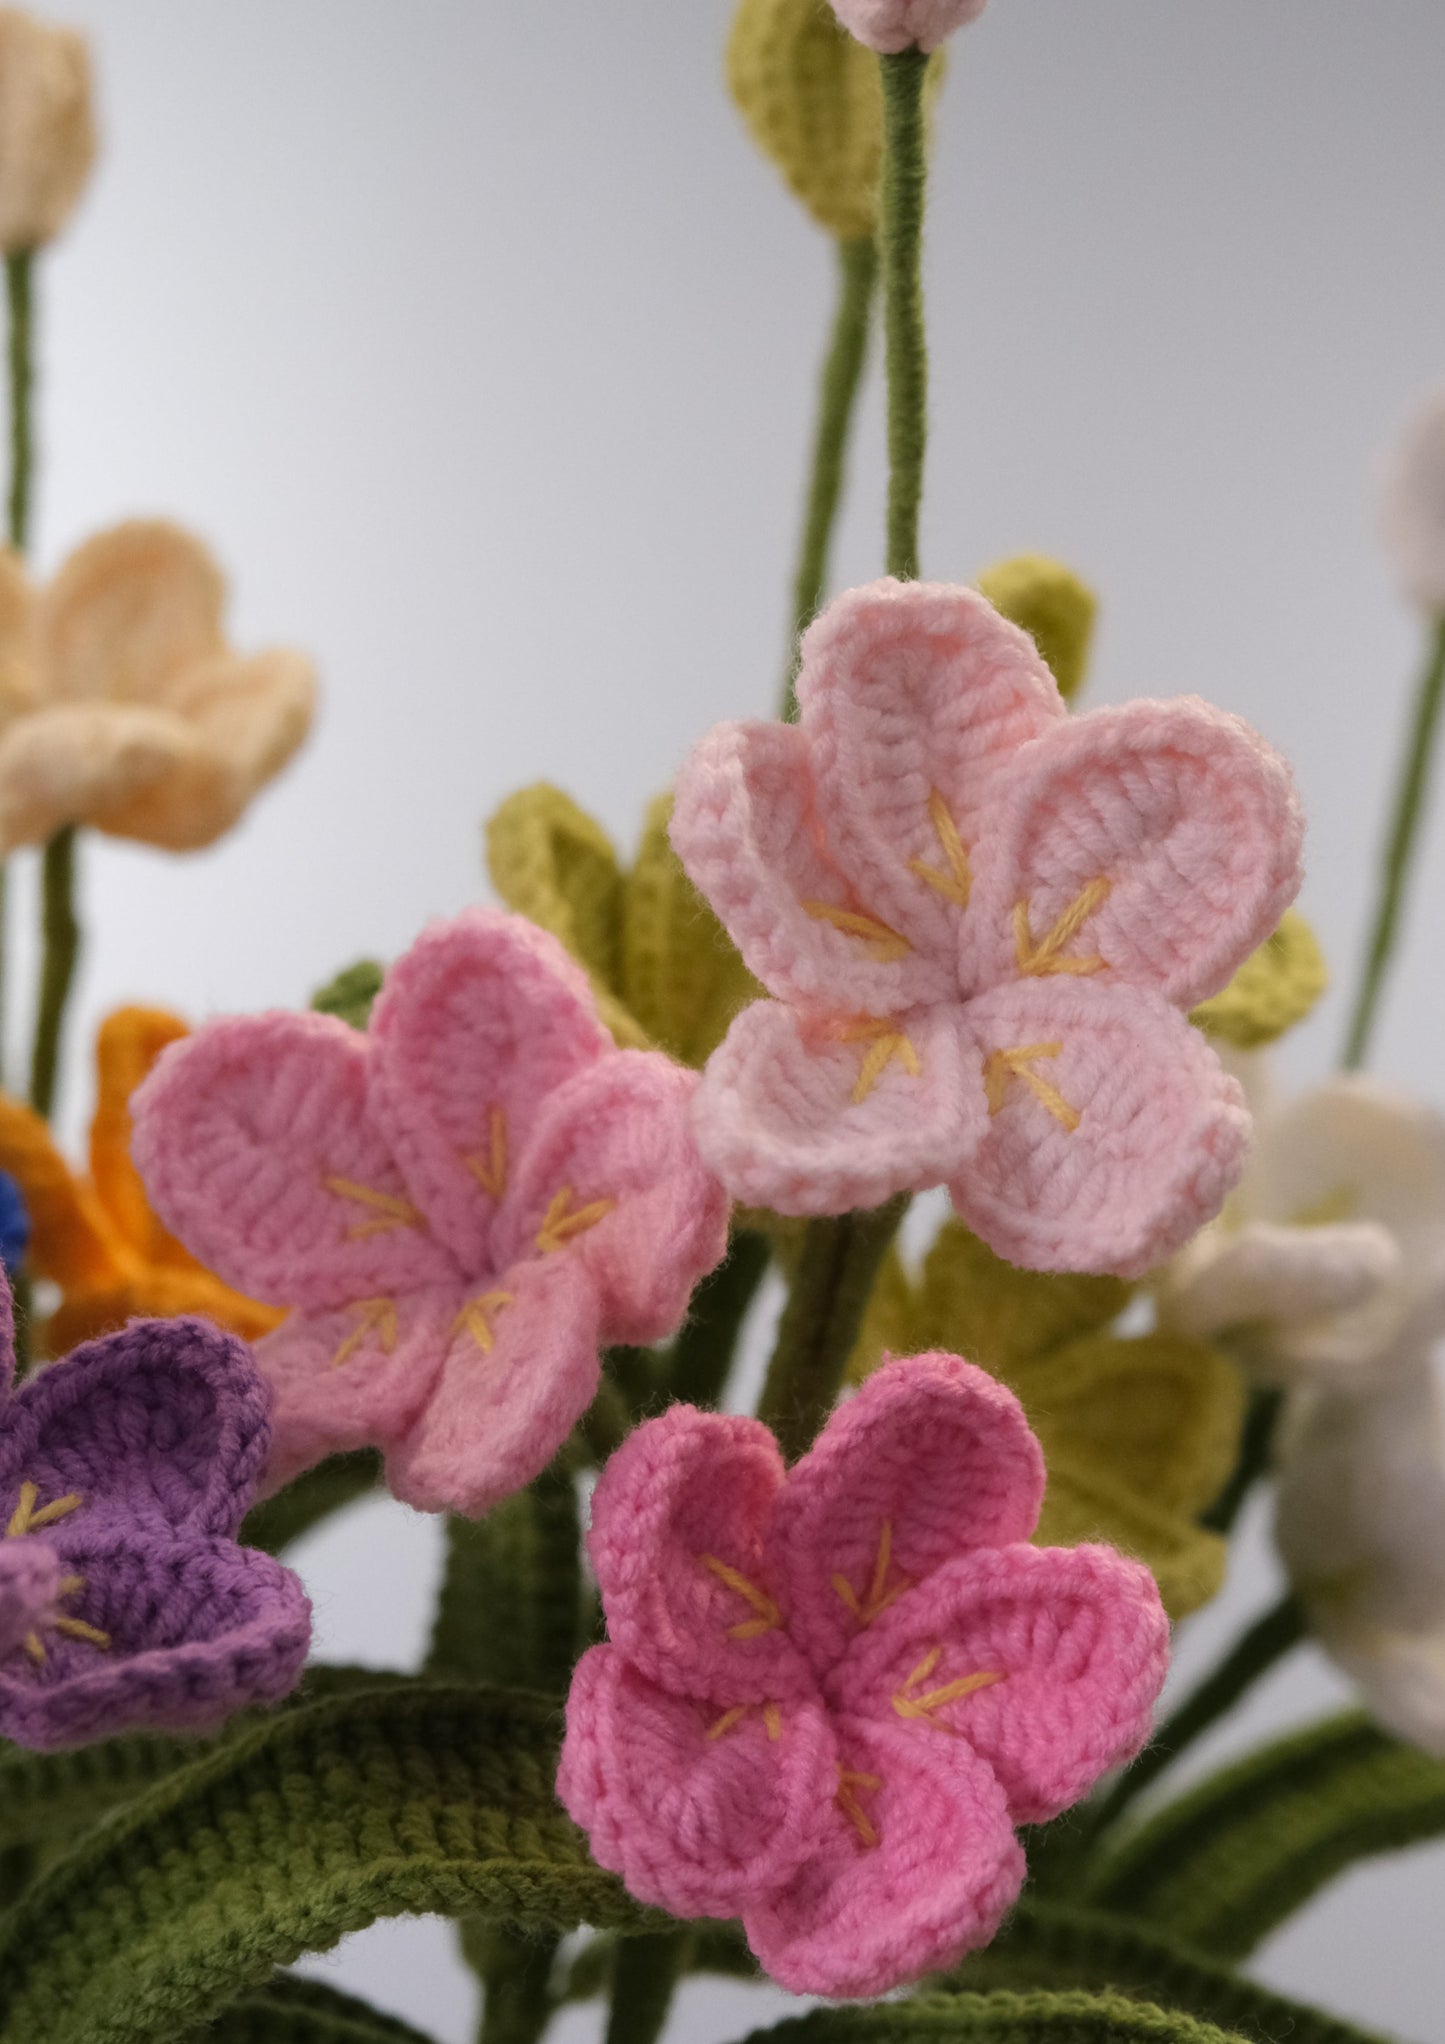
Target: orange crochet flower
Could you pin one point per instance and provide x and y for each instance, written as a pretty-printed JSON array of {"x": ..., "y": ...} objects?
[{"x": 96, "y": 1237}]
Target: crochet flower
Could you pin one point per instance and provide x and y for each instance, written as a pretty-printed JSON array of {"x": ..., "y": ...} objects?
[
  {"x": 982, "y": 919},
  {"x": 459, "y": 1206},
  {"x": 122, "y": 706},
  {"x": 96, "y": 1238},
  {"x": 892, "y": 25},
  {"x": 125, "y": 1601},
  {"x": 831, "y": 1693},
  {"x": 47, "y": 128}
]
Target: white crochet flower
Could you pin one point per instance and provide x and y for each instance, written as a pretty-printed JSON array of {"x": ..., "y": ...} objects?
[
  {"x": 1412, "y": 506},
  {"x": 47, "y": 130}
]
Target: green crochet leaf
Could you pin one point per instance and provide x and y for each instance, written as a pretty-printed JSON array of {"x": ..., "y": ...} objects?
[
  {"x": 331, "y": 1485},
  {"x": 1048, "y": 1946},
  {"x": 813, "y": 103},
  {"x": 292, "y": 2011},
  {"x": 1052, "y": 605},
  {"x": 1276, "y": 987},
  {"x": 681, "y": 974},
  {"x": 510, "y": 1609},
  {"x": 552, "y": 863},
  {"x": 1226, "y": 1864},
  {"x": 1069, "y": 2018},
  {"x": 350, "y": 995},
  {"x": 422, "y": 1798}
]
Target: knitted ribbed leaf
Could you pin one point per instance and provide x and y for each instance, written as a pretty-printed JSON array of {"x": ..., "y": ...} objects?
[
  {"x": 1052, "y": 605},
  {"x": 681, "y": 974},
  {"x": 1046, "y": 1946},
  {"x": 350, "y": 995},
  {"x": 1070, "y": 2018},
  {"x": 336, "y": 1482},
  {"x": 292, "y": 2011},
  {"x": 419, "y": 1799},
  {"x": 1274, "y": 988},
  {"x": 1230, "y": 1861},
  {"x": 509, "y": 1611}
]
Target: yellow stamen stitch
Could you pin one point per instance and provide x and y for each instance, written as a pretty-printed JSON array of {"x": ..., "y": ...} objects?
[
  {"x": 849, "y": 1782},
  {"x": 726, "y": 1722},
  {"x": 559, "y": 1225},
  {"x": 490, "y": 1171},
  {"x": 1004, "y": 1065},
  {"x": 957, "y": 883},
  {"x": 25, "y": 1518},
  {"x": 378, "y": 1317},
  {"x": 886, "y": 945},
  {"x": 768, "y": 1615},
  {"x": 772, "y": 1720},
  {"x": 878, "y": 1595},
  {"x": 389, "y": 1210},
  {"x": 884, "y": 1044},
  {"x": 927, "y": 1706},
  {"x": 1041, "y": 960},
  {"x": 477, "y": 1315}
]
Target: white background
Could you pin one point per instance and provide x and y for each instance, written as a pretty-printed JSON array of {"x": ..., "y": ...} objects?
[{"x": 481, "y": 346}]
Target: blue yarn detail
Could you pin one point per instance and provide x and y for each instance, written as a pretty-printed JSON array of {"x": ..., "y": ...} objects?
[{"x": 14, "y": 1224}]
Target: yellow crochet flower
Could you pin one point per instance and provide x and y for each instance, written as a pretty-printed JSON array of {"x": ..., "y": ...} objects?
[
  {"x": 96, "y": 1237},
  {"x": 47, "y": 128},
  {"x": 1140, "y": 1432},
  {"x": 663, "y": 969},
  {"x": 122, "y": 706}
]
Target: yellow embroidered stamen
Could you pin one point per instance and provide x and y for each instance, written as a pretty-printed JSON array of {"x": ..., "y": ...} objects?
[
  {"x": 68, "y": 1585},
  {"x": 490, "y": 1172},
  {"x": 884, "y": 1044},
  {"x": 1038, "y": 961},
  {"x": 726, "y": 1722},
  {"x": 25, "y": 1518},
  {"x": 849, "y": 1780},
  {"x": 76, "y": 1628},
  {"x": 559, "y": 1226},
  {"x": 390, "y": 1210},
  {"x": 35, "y": 1647},
  {"x": 1004, "y": 1065},
  {"x": 878, "y": 1596},
  {"x": 476, "y": 1318},
  {"x": 773, "y": 1720},
  {"x": 927, "y": 1706},
  {"x": 957, "y": 883},
  {"x": 378, "y": 1317},
  {"x": 886, "y": 945},
  {"x": 769, "y": 1617}
]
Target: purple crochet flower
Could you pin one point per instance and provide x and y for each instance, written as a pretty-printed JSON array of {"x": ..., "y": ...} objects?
[{"x": 125, "y": 1472}]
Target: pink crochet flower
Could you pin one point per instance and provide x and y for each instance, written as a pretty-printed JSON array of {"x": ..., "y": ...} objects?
[
  {"x": 832, "y": 1693},
  {"x": 892, "y": 25},
  {"x": 983, "y": 920},
  {"x": 459, "y": 1206}
]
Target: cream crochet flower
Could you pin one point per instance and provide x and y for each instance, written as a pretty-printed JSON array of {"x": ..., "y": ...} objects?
[
  {"x": 122, "y": 706},
  {"x": 47, "y": 129}
]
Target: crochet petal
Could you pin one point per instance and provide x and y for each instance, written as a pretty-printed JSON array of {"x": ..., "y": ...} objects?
[
  {"x": 1068, "y": 1647},
  {"x": 251, "y": 710},
  {"x": 72, "y": 1239},
  {"x": 695, "y": 1819},
  {"x": 677, "y": 1543},
  {"x": 128, "y": 612},
  {"x": 519, "y": 1367},
  {"x": 123, "y": 767},
  {"x": 1086, "y": 1503},
  {"x": 189, "y": 1632},
  {"x": 1156, "y": 844},
  {"x": 813, "y": 1117},
  {"x": 258, "y": 1148},
  {"x": 127, "y": 1045},
  {"x": 933, "y": 1456},
  {"x": 474, "y": 1028},
  {"x": 30, "y": 1577},
  {"x": 914, "y": 697},
  {"x": 1112, "y": 1132},
  {"x": 917, "y": 1866},
  {"x": 744, "y": 826},
  {"x": 611, "y": 1177},
  {"x": 1305, "y": 1300},
  {"x": 19, "y": 684},
  {"x": 162, "y": 1427}
]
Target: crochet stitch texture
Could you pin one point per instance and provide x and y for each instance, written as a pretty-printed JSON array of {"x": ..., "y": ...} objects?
[
  {"x": 984, "y": 923},
  {"x": 892, "y": 25},
  {"x": 459, "y": 1206},
  {"x": 830, "y": 1694}
]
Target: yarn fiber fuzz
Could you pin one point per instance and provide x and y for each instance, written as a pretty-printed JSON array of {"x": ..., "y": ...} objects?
[{"x": 830, "y": 1694}]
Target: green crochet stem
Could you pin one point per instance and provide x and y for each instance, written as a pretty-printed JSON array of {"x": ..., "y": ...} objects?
[
  {"x": 60, "y": 948},
  {"x": 1409, "y": 812},
  {"x": 1256, "y": 1449},
  {"x": 516, "y": 1971},
  {"x": 837, "y": 402},
  {"x": 332, "y": 1485},
  {"x": 292, "y": 2011},
  {"x": 702, "y": 1354},
  {"x": 1068, "y": 2018},
  {"x": 836, "y": 1267},
  {"x": 645, "y": 1973},
  {"x": 20, "y": 304},
  {"x": 510, "y": 1609},
  {"x": 905, "y": 179}
]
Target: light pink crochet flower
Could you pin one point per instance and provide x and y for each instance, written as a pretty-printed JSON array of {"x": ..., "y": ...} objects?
[
  {"x": 984, "y": 921},
  {"x": 832, "y": 1693},
  {"x": 893, "y": 25},
  {"x": 460, "y": 1206}
]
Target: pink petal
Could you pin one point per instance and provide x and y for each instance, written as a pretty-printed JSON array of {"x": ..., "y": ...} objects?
[
  {"x": 1110, "y": 1143},
  {"x": 744, "y": 826},
  {"x": 915, "y": 696},
  {"x": 476, "y": 1026},
  {"x": 518, "y": 1368},
  {"x": 931, "y": 1458},
  {"x": 612, "y": 1178},
  {"x": 258, "y": 1150},
  {"x": 677, "y": 1544},
  {"x": 780, "y": 1120},
  {"x": 1077, "y": 1641},
  {"x": 1186, "y": 816},
  {"x": 923, "y": 1872},
  {"x": 693, "y": 1823},
  {"x": 354, "y": 1376}
]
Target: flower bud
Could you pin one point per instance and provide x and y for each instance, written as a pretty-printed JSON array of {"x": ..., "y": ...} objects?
[
  {"x": 892, "y": 25},
  {"x": 1413, "y": 506},
  {"x": 47, "y": 130}
]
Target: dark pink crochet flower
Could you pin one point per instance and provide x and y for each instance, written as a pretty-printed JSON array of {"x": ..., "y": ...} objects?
[
  {"x": 831, "y": 1693},
  {"x": 125, "y": 1473}
]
